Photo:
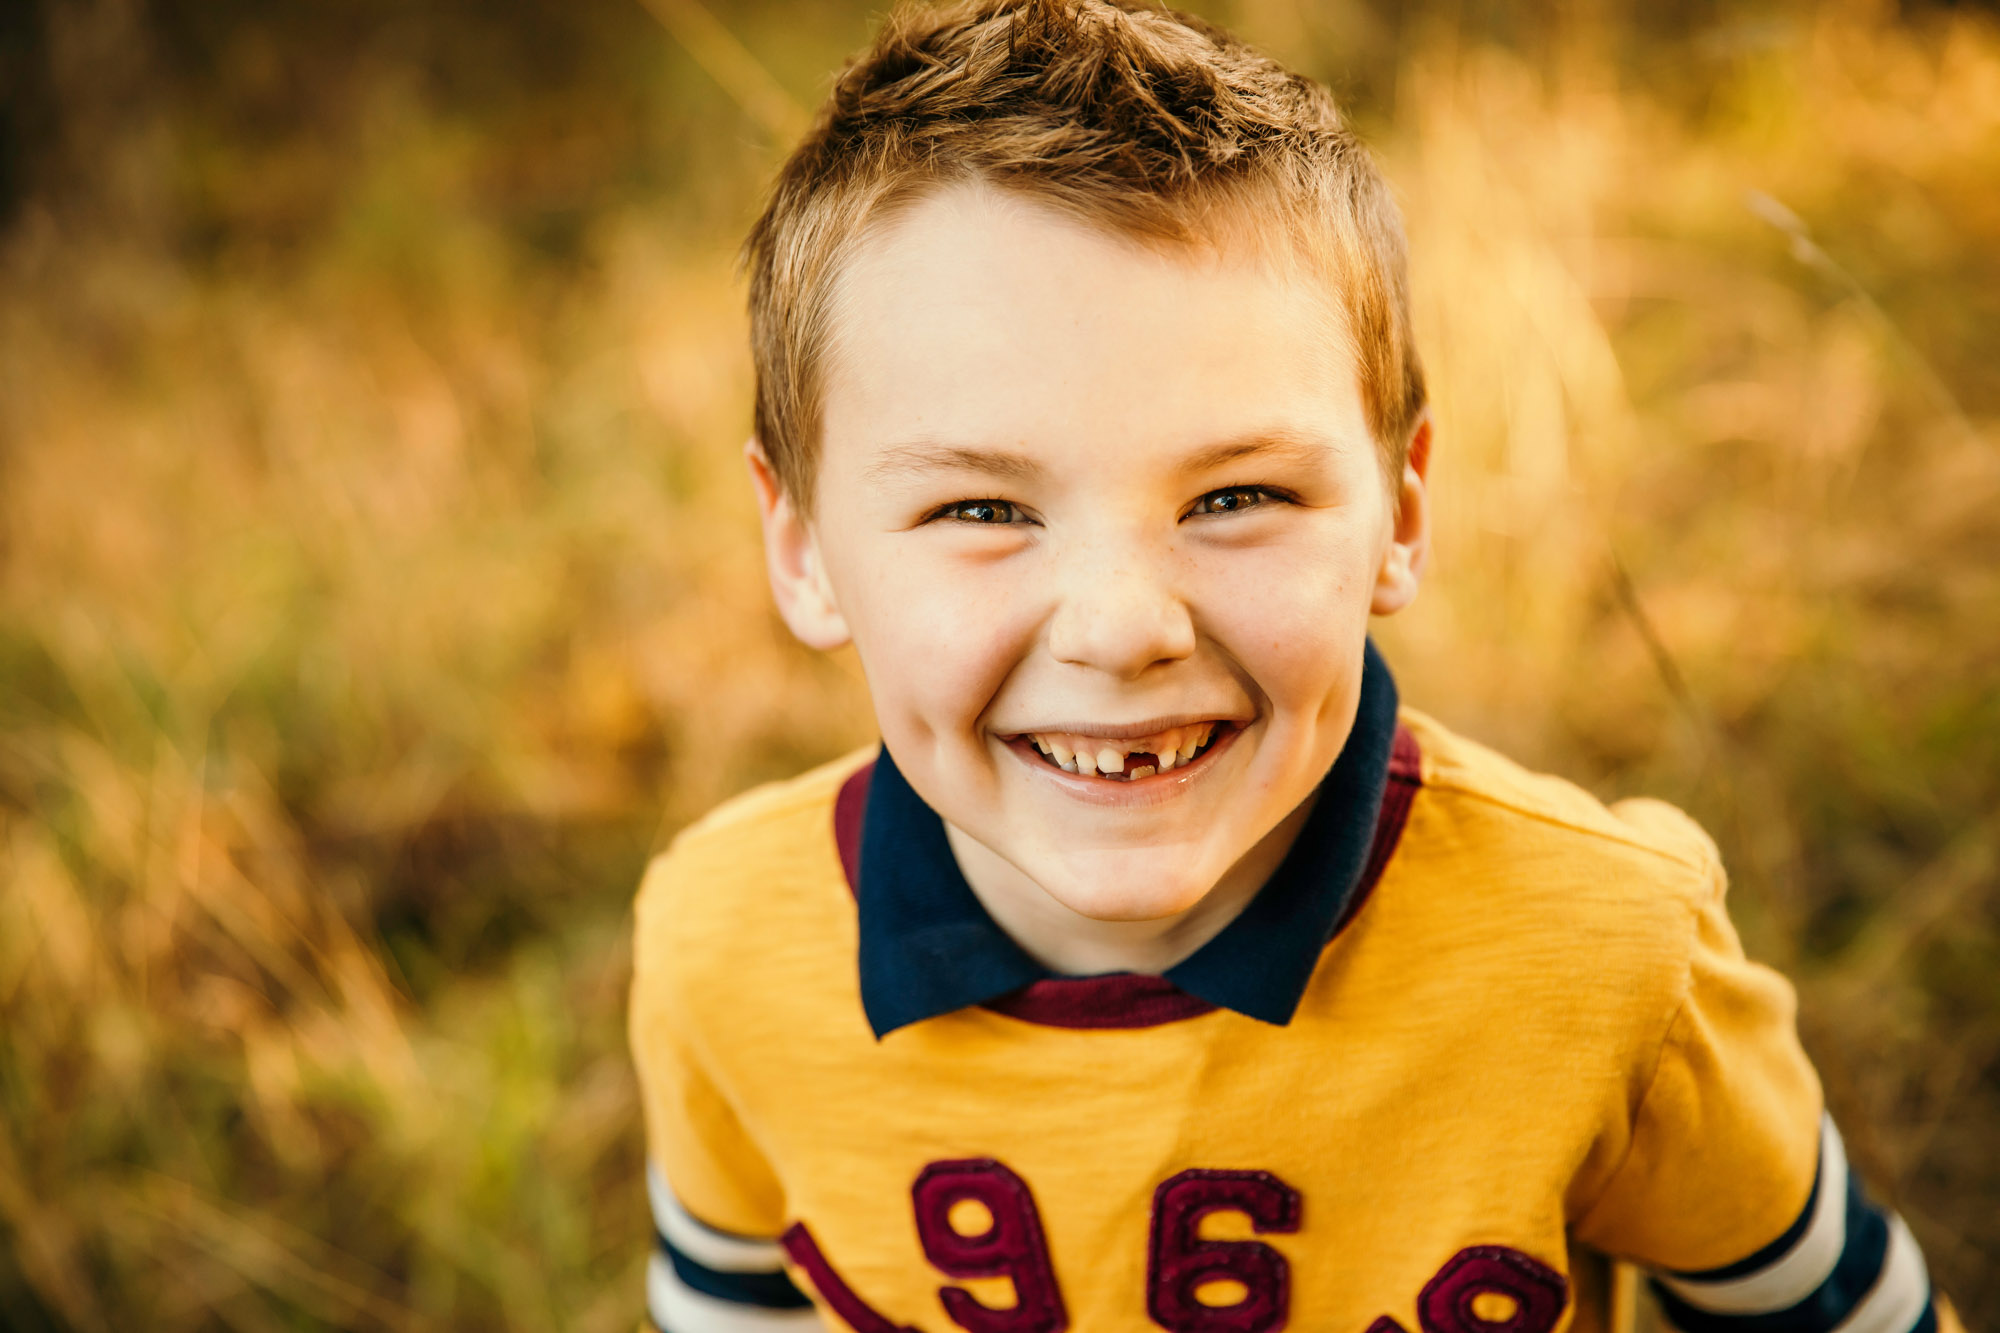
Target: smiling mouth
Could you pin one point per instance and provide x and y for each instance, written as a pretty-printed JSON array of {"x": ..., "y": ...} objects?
[{"x": 1125, "y": 759}]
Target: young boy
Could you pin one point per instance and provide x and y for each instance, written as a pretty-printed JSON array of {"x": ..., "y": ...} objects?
[{"x": 1157, "y": 971}]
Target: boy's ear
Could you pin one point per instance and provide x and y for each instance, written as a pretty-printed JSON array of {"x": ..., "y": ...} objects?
[
  {"x": 1410, "y": 541},
  {"x": 791, "y": 556}
]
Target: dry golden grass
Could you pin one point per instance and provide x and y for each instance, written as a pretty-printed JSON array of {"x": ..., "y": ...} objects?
[{"x": 377, "y": 588}]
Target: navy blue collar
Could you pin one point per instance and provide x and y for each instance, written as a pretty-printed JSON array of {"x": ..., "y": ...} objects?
[{"x": 928, "y": 946}]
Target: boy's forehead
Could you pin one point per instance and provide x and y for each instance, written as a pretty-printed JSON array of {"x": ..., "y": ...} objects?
[{"x": 981, "y": 316}]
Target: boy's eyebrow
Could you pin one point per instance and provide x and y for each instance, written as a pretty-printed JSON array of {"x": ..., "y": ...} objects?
[
  {"x": 917, "y": 456},
  {"x": 927, "y": 456},
  {"x": 1279, "y": 444}
]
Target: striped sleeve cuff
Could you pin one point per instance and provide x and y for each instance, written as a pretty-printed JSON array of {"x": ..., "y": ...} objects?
[
  {"x": 1845, "y": 1266},
  {"x": 701, "y": 1280}
]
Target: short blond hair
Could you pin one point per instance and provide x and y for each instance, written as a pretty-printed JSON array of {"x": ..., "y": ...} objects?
[{"x": 1147, "y": 121}]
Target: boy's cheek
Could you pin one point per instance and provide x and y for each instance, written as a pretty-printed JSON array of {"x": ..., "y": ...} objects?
[
  {"x": 1291, "y": 613},
  {"x": 936, "y": 658}
]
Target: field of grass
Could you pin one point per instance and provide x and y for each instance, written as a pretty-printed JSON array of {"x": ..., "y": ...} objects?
[{"x": 378, "y": 585}]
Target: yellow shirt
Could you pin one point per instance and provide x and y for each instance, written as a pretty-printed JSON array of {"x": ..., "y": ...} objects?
[{"x": 1533, "y": 1034}]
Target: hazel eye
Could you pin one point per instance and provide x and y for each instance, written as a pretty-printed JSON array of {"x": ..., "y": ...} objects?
[
  {"x": 984, "y": 512},
  {"x": 1232, "y": 500}
]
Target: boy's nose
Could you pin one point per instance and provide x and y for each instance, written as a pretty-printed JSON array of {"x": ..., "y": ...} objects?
[{"x": 1119, "y": 614}]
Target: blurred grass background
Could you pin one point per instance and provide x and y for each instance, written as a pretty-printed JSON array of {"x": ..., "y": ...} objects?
[{"x": 378, "y": 586}]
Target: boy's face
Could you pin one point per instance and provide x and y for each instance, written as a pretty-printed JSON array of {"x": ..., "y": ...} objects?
[{"x": 1083, "y": 500}]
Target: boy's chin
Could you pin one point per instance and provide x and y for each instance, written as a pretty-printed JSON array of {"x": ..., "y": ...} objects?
[{"x": 1131, "y": 893}]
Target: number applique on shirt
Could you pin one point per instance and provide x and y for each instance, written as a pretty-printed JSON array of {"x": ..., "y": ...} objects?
[
  {"x": 1006, "y": 1242},
  {"x": 976, "y": 1218},
  {"x": 1488, "y": 1289},
  {"x": 1180, "y": 1263}
]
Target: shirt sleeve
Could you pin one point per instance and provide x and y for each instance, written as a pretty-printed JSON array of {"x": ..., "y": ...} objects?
[
  {"x": 717, "y": 1265},
  {"x": 1735, "y": 1189}
]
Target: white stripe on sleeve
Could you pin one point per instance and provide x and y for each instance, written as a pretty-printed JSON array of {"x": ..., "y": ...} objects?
[
  {"x": 1896, "y": 1301},
  {"x": 675, "y": 1307},
  {"x": 702, "y": 1243},
  {"x": 1798, "y": 1272}
]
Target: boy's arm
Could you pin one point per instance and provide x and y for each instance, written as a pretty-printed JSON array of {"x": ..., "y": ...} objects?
[
  {"x": 1734, "y": 1188},
  {"x": 716, "y": 1265}
]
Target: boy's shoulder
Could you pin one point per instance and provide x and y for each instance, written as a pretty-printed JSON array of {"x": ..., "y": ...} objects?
[
  {"x": 1597, "y": 920},
  {"x": 1505, "y": 827},
  {"x": 759, "y": 866},
  {"x": 1459, "y": 769}
]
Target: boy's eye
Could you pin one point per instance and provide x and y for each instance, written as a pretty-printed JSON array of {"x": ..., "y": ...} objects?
[
  {"x": 980, "y": 511},
  {"x": 1231, "y": 500}
]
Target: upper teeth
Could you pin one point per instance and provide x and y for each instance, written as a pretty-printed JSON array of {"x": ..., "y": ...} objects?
[{"x": 1090, "y": 755}]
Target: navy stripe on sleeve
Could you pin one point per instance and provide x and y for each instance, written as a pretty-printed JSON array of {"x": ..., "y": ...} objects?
[{"x": 774, "y": 1291}]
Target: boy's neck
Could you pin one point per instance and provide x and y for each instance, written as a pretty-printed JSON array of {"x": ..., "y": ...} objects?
[{"x": 1070, "y": 944}]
